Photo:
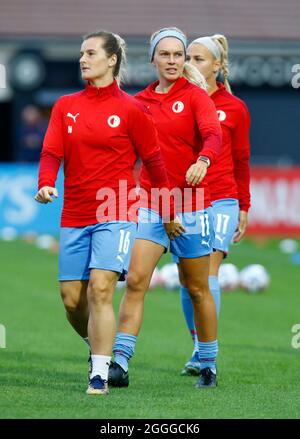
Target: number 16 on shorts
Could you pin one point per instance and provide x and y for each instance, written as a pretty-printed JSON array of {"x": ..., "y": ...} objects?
[{"x": 124, "y": 242}]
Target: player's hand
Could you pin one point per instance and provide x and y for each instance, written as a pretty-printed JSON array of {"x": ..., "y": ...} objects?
[
  {"x": 174, "y": 228},
  {"x": 242, "y": 226},
  {"x": 196, "y": 173},
  {"x": 44, "y": 195}
]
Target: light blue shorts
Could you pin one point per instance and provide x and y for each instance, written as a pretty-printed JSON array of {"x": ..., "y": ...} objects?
[
  {"x": 150, "y": 227},
  {"x": 106, "y": 246},
  {"x": 195, "y": 242},
  {"x": 226, "y": 218}
]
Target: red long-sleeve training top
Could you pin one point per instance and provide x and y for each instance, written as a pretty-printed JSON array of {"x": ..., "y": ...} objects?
[
  {"x": 229, "y": 176},
  {"x": 99, "y": 133},
  {"x": 188, "y": 126}
]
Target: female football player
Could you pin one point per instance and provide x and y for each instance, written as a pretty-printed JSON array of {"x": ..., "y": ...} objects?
[
  {"x": 98, "y": 133},
  {"x": 228, "y": 178},
  {"x": 190, "y": 138}
]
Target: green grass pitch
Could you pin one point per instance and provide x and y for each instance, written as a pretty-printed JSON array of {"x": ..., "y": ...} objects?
[{"x": 44, "y": 364}]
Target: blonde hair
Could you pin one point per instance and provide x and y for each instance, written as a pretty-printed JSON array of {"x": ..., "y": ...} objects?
[
  {"x": 113, "y": 45},
  {"x": 222, "y": 44},
  {"x": 190, "y": 73}
]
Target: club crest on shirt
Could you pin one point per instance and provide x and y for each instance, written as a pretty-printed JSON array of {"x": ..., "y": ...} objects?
[
  {"x": 113, "y": 121},
  {"x": 221, "y": 115},
  {"x": 178, "y": 107}
]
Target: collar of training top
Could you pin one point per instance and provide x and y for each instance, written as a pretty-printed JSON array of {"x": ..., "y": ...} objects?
[
  {"x": 221, "y": 89},
  {"x": 180, "y": 83},
  {"x": 102, "y": 92}
]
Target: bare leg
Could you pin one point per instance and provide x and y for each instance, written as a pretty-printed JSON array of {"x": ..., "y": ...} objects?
[
  {"x": 74, "y": 297},
  {"x": 195, "y": 272},
  {"x": 102, "y": 322},
  {"x": 216, "y": 259},
  {"x": 101, "y": 327},
  {"x": 144, "y": 258}
]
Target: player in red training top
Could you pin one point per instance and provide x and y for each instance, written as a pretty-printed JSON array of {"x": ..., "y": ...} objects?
[
  {"x": 190, "y": 138},
  {"x": 98, "y": 133},
  {"x": 228, "y": 178}
]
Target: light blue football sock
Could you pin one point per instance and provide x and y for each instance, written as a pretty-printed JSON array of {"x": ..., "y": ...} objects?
[
  {"x": 215, "y": 291},
  {"x": 208, "y": 352},
  {"x": 188, "y": 311},
  {"x": 124, "y": 349}
]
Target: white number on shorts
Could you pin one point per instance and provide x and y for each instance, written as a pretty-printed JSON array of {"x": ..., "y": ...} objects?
[
  {"x": 204, "y": 225},
  {"x": 124, "y": 242},
  {"x": 222, "y": 223}
]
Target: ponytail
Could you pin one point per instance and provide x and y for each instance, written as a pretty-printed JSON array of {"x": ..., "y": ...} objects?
[
  {"x": 192, "y": 74},
  {"x": 221, "y": 42},
  {"x": 120, "y": 68}
]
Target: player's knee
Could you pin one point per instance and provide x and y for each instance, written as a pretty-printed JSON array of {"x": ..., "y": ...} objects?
[
  {"x": 100, "y": 293},
  {"x": 70, "y": 299},
  {"x": 198, "y": 292},
  {"x": 137, "y": 283}
]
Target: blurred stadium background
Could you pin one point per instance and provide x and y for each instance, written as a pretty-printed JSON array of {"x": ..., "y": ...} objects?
[{"x": 39, "y": 50}]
